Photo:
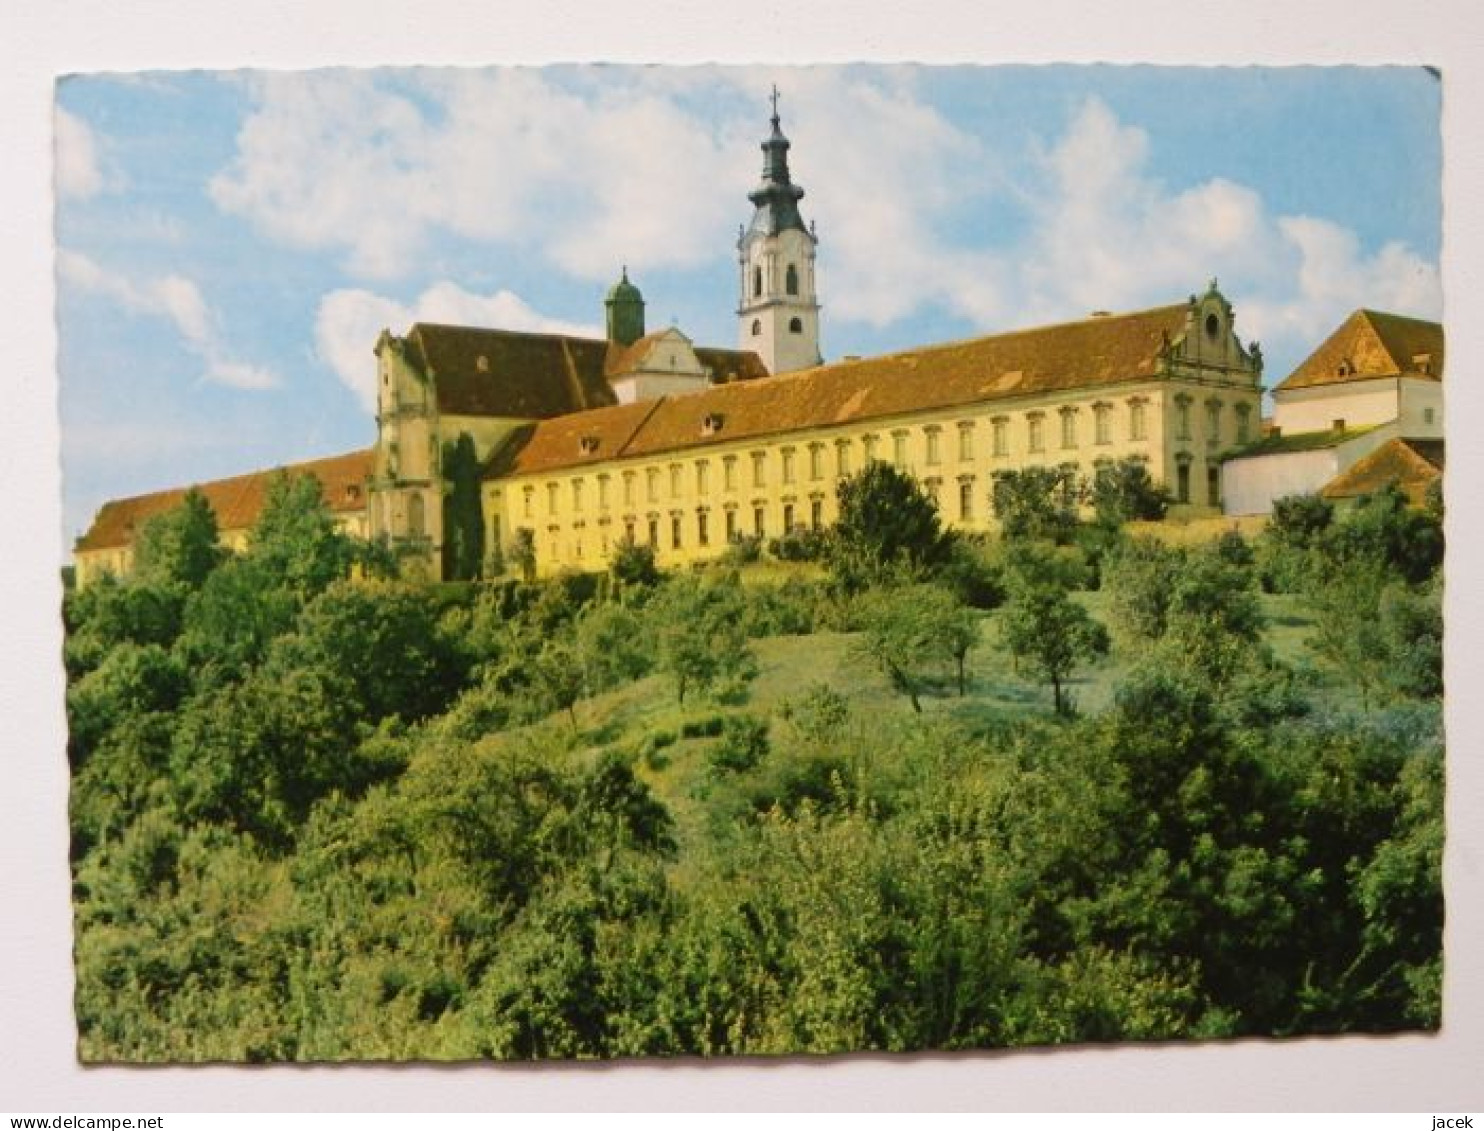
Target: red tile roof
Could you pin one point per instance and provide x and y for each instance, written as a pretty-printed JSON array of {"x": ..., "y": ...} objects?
[
  {"x": 237, "y": 501},
  {"x": 1413, "y": 465},
  {"x": 1371, "y": 344},
  {"x": 1075, "y": 355},
  {"x": 507, "y": 373}
]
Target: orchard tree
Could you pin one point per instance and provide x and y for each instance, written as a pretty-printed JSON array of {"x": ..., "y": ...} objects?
[
  {"x": 699, "y": 639},
  {"x": 1052, "y": 634},
  {"x": 910, "y": 630}
]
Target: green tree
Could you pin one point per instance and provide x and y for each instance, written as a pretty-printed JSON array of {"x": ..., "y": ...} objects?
[
  {"x": 180, "y": 546},
  {"x": 523, "y": 553},
  {"x": 633, "y": 566},
  {"x": 697, "y": 625},
  {"x": 463, "y": 513},
  {"x": 1047, "y": 630},
  {"x": 887, "y": 525},
  {"x": 385, "y": 639},
  {"x": 296, "y": 541},
  {"x": 1036, "y": 503},
  {"x": 909, "y": 631},
  {"x": 1124, "y": 491}
]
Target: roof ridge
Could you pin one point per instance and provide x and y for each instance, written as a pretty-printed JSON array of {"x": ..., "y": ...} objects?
[
  {"x": 240, "y": 477},
  {"x": 548, "y": 335}
]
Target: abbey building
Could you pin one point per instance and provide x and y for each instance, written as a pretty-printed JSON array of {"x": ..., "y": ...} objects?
[{"x": 575, "y": 444}]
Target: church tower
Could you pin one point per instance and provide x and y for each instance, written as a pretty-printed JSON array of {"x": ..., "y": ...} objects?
[{"x": 778, "y": 313}]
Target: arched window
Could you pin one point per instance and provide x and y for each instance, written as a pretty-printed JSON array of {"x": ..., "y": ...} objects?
[
  {"x": 791, "y": 280},
  {"x": 415, "y": 516},
  {"x": 795, "y": 325},
  {"x": 757, "y": 327},
  {"x": 757, "y": 281}
]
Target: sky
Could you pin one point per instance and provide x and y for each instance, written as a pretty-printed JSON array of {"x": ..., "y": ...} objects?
[{"x": 230, "y": 244}]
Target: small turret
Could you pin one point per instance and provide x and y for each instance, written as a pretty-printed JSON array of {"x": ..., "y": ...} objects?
[{"x": 625, "y": 310}]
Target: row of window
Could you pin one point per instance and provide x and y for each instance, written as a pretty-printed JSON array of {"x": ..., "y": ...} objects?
[{"x": 820, "y": 460}]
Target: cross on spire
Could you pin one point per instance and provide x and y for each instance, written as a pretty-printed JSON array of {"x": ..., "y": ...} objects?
[{"x": 773, "y": 98}]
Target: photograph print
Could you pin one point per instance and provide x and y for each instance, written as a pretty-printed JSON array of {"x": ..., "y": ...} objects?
[{"x": 601, "y": 562}]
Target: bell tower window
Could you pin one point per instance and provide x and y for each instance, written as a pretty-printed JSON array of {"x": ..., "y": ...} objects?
[
  {"x": 757, "y": 281},
  {"x": 795, "y": 325},
  {"x": 791, "y": 280},
  {"x": 757, "y": 327}
]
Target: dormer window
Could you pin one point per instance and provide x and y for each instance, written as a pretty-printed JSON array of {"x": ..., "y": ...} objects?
[
  {"x": 711, "y": 424},
  {"x": 588, "y": 445},
  {"x": 1422, "y": 362},
  {"x": 1345, "y": 368},
  {"x": 482, "y": 363}
]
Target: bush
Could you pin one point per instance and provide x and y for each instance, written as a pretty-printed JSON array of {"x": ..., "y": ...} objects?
[
  {"x": 744, "y": 743},
  {"x": 818, "y": 714},
  {"x": 800, "y": 544}
]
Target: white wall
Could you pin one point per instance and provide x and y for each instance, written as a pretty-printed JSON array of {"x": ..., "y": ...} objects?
[{"x": 1358, "y": 403}]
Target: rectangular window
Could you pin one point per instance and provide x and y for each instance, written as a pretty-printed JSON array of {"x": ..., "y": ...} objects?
[
  {"x": 675, "y": 531},
  {"x": 899, "y": 448},
  {"x": 1137, "y": 428},
  {"x": 551, "y": 497},
  {"x": 759, "y": 520},
  {"x": 934, "y": 493},
  {"x": 703, "y": 477},
  {"x": 934, "y": 454},
  {"x": 703, "y": 528},
  {"x": 729, "y": 473},
  {"x": 965, "y": 441},
  {"x": 1182, "y": 420},
  {"x": 1068, "y": 428},
  {"x": 869, "y": 443},
  {"x": 759, "y": 469},
  {"x": 528, "y": 495},
  {"x": 1213, "y": 421},
  {"x": 1213, "y": 485},
  {"x": 842, "y": 458},
  {"x": 731, "y": 526},
  {"x": 652, "y": 484},
  {"x": 788, "y": 465},
  {"x": 674, "y": 481},
  {"x": 602, "y": 490},
  {"x": 816, "y": 513},
  {"x": 654, "y": 533},
  {"x": 966, "y": 500},
  {"x": 1034, "y": 439},
  {"x": 816, "y": 461},
  {"x": 628, "y": 530},
  {"x": 1182, "y": 481},
  {"x": 577, "y": 496},
  {"x": 1000, "y": 430},
  {"x": 1102, "y": 424},
  {"x": 788, "y": 517},
  {"x": 1244, "y": 423},
  {"x": 628, "y": 488}
]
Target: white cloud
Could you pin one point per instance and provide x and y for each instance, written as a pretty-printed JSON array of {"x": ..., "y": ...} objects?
[
  {"x": 341, "y": 161},
  {"x": 586, "y": 170},
  {"x": 349, "y": 321},
  {"x": 79, "y": 173},
  {"x": 176, "y": 299},
  {"x": 1107, "y": 234}
]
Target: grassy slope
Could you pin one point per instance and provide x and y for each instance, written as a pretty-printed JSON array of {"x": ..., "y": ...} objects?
[{"x": 788, "y": 665}]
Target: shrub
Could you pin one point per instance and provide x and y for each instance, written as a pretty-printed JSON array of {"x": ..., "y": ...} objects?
[{"x": 744, "y": 743}]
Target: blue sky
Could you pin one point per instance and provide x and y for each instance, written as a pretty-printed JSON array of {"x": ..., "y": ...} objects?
[{"x": 229, "y": 244}]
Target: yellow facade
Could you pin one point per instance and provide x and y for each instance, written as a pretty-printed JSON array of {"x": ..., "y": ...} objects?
[{"x": 690, "y": 504}]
